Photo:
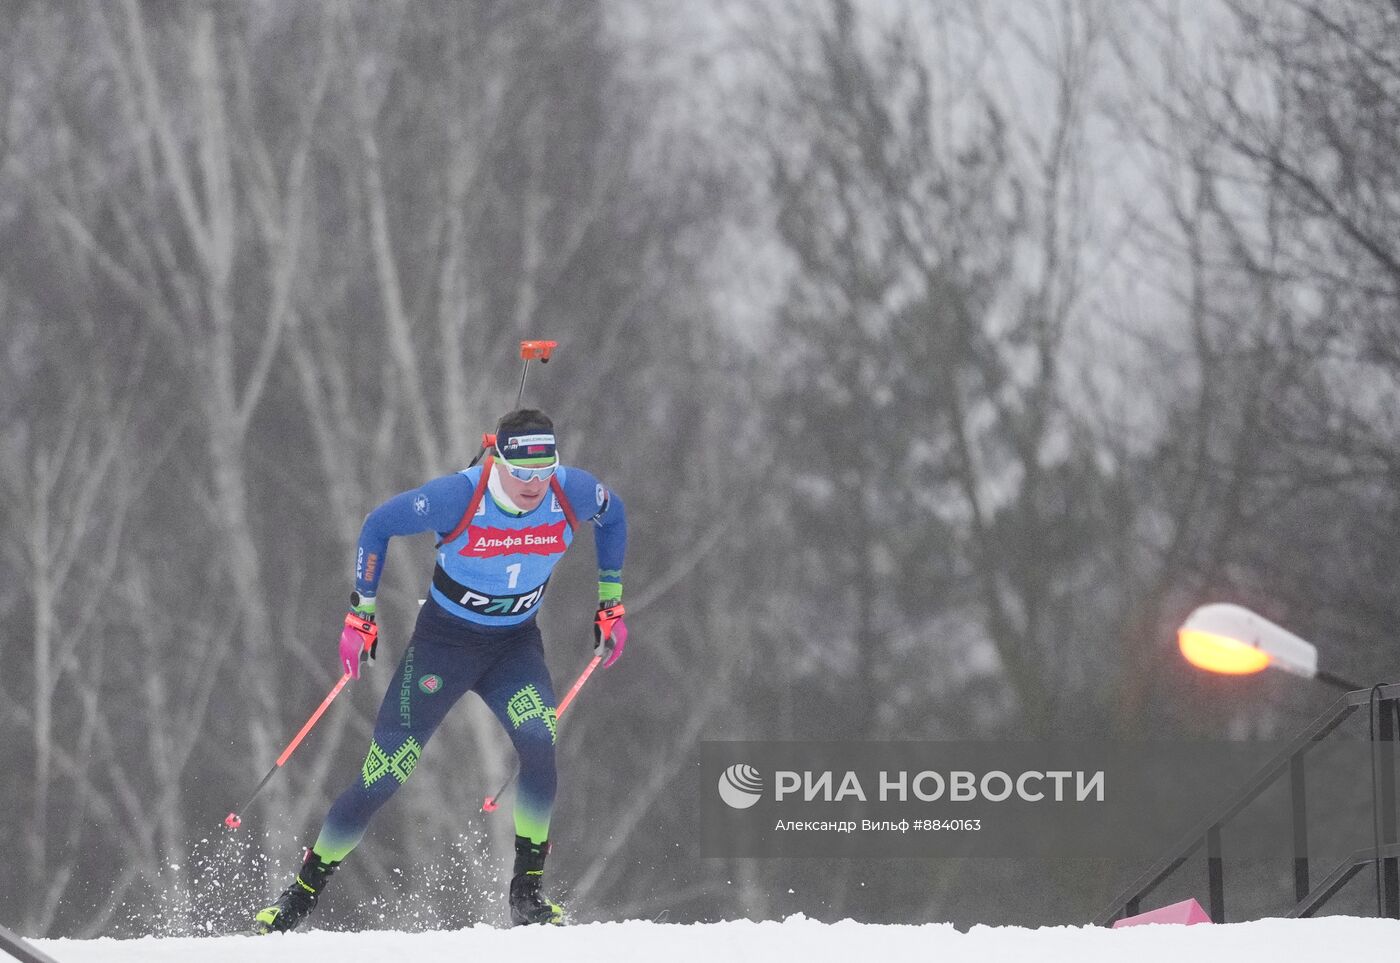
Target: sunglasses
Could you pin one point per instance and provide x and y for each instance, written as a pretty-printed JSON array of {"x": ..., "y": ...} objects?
[{"x": 525, "y": 474}]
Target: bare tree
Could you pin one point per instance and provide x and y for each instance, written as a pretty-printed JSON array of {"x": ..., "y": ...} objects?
[
  {"x": 932, "y": 379},
  {"x": 1275, "y": 227}
]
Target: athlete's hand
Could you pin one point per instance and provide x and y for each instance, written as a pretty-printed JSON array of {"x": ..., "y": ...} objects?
[
  {"x": 359, "y": 640},
  {"x": 609, "y": 632}
]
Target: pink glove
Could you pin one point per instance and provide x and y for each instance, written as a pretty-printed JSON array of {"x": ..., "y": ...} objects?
[
  {"x": 358, "y": 641},
  {"x": 610, "y": 632}
]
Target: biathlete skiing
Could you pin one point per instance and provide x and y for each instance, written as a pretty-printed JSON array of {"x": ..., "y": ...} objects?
[{"x": 502, "y": 525}]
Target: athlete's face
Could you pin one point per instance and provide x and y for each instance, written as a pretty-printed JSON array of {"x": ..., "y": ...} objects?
[{"x": 526, "y": 494}]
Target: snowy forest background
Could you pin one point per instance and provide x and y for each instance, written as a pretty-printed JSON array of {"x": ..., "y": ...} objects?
[{"x": 945, "y": 353}]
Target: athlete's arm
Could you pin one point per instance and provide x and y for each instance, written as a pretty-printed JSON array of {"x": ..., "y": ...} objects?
[
  {"x": 434, "y": 507},
  {"x": 593, "y": 502}
]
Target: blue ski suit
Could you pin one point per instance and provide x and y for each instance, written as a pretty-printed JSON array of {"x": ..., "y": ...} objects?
[{"x": 476, "y": 632}]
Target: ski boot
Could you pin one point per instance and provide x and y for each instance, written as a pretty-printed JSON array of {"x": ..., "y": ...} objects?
[
  {"x": 527, "y": 906},
  {"x": 297, "y": 900}
]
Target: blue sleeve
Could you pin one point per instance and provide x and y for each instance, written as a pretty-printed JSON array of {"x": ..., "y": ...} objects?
[
  {"x": 435, "y": 507},
  {"x": 594, "y": 502}
]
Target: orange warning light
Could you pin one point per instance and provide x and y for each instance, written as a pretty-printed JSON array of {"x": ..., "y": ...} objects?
[
  {"x": 1218, "y": 653},
  {"x": 530, "y": 350}
]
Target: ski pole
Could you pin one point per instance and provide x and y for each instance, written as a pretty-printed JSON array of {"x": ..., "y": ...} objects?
[
  {"x": 529, "y": 350},
  {"x": 232, "y": 820},
  {"x": 489, "y": 805}
]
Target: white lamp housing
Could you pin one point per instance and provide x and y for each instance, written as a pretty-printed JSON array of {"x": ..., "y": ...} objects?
[{"x": 1234, "y": 623}]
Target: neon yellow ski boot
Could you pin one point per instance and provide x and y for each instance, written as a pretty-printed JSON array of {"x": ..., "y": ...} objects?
[
  {"x": 297, "y": 900},
  {"x": 527, "y": 906}
]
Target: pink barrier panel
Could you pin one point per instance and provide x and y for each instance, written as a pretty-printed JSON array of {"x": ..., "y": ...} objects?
[{"x": 1187, "y": 912}]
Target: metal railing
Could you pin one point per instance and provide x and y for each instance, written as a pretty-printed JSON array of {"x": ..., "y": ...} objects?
[
  {"x": 1292, "y": 762},
  {"x": 13, "y": 945}
]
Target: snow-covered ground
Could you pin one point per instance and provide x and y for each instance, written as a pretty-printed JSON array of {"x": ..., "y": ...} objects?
[{"x": 799, "y": 939}]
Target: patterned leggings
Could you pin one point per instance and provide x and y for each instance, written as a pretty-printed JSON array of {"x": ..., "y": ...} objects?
[{"x": 446, "y": 658}]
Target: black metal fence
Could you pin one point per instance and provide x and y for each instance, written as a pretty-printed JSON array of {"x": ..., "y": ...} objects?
[{"x": 1384, "y": 704}]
